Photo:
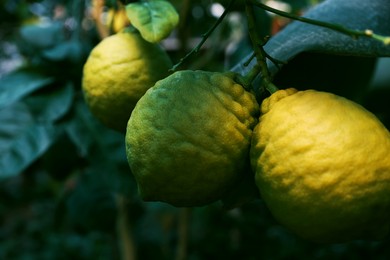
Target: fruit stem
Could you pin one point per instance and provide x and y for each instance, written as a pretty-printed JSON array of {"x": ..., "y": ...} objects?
[
  {"x": 247, "y": 80},
  {"x": 259, "y": 53},
  {"x": 336, "y": 27}
]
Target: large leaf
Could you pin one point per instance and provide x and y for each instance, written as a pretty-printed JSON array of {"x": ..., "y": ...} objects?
[
  {"x": 22, "y": 140},
  {"x": 42, "y": 35},
  {"x": 103, "y": 149},
  {"x": 52, "y": 104},
  {"x": 353, "y": 14},
  {"x": 82, "y": 129},
  {"x": 309, "y": 49},
  {"x": 20, "y": 83},
  {"x": 154, "y": 19},
  {"x": 93, "y": 138}
]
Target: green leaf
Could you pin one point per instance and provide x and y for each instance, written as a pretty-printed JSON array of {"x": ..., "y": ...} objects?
[
  {"x": 94, "y": 139},
  {"x": 80, "y": 128},
  {"x": 298, "y": 37},
  {"x": 22, "y": 141},
  {"x": 70, "y": 50},
  {"x": 52, "y": 104},
  {"x": 91, "y": 205},
  {"x": 322, "y": 57},
  {"x": 154, "y": 19},
  {"x": 19, "y": 84},
  {"x": 42, "y": 35},
  {"x": 102, "y": 148}
]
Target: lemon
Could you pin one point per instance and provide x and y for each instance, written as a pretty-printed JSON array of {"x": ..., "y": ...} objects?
[
  {"x": 118, "y": 72},
  {"x": 188, "y": 138},
  {"x": 117, "y": 19},
  {"x": 322, "y": 166}
]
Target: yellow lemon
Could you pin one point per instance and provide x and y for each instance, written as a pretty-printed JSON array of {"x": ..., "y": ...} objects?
[
  {"x": 322, "y": 166},
  {"x": 117, "y": 19},
  {"x": 188, "y": 138},
  {"x": 118, "y": 72}
]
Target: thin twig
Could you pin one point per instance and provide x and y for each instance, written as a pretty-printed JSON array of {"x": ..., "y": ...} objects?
[
  {"x": 205, "y": 36},
  {"x": 247, "y": 79},
  {"x": 184, "y": 29},
  {"x": 258, "y": 44},
  {"x": 332, "y": 26},
  {"x": 249, "y": 60}
]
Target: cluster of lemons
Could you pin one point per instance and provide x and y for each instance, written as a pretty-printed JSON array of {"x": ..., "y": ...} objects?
[{"x": 321, "y": 162}]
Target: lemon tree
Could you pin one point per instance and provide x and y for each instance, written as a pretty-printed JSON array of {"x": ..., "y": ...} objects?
[
  {"x": 77, "y": 168},
  {"x": 188, "y": 138},
  {"x": 118, "y": 72},
  {"x": 322, "y": 166}
]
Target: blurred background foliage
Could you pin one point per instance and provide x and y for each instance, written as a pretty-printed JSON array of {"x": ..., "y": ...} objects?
[{"x": 66, "y": 191}]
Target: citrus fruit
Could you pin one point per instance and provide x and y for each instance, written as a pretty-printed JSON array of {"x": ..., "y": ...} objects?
[
  {"x": 322, "y": 166},
  {"x": 118, "y": 72},
  {"x": 188, "y": 138},
  {"x": 117, "y": 19}
]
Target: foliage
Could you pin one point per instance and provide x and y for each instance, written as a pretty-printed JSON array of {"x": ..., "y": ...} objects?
[
  {"x": 155, "y": 19},
  {"x": 62, "y": 173}
]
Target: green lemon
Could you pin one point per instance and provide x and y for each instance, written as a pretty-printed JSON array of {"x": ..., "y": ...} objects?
[{"x": 188, "y": 138}]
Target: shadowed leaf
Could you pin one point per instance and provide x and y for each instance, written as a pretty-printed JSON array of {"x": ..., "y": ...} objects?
[
  {"x": 19, "y": 84},
  {"x": 22, "y": 140}
]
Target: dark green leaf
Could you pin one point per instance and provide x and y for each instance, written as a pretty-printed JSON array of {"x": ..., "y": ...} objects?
[
  {"x": 91, "y": 205},
  {"x": 41, "y": 35},
  {"x": 20, "y": 83},
  {"x": 81, "y": 129},
  {"x": 70, "y": 50},
  {"x": 103, "y": 149},
  {"x": 51, "y": 104},
  {"x": 92, "y": 137},
  {"x": 13, "y": 120},
  {"x": 21, "y": 140},
  {"x": 353, "y": 14},
  {"x": 299, "y": 42}
]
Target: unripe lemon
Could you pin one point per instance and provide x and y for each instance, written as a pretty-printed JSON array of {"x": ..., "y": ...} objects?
[
  {"x": 118, "y": 72},
  {"x": 188, "y": 138},
  {"x": 322, "y": 166}
]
